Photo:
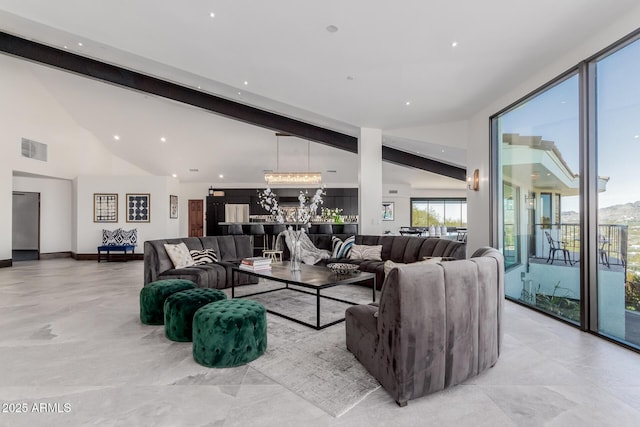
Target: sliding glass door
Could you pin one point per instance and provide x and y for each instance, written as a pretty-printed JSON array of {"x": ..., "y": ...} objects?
[
  {"x": 566, "y": 169},
  {"x": 617, "y": 84},
  {"x": 538, "y": 143}
]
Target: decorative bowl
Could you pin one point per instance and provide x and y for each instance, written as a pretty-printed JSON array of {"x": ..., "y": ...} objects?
[{"x": 342, "y": 268}]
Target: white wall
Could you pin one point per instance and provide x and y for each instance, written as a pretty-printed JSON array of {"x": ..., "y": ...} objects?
[
  {"x": 478, "y": 150},
  {"x": 89, "y": 233},
  {"x": 28, "y": 110},
  {"x": 370, "y": 181},
  {"x": 55, "y": 210}
]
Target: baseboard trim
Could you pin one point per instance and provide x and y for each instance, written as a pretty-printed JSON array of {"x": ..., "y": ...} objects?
[
  {"x": 6, "y": 263},
  {"x": 115, "y": 257},
  {"x": 55, "y": 255}
]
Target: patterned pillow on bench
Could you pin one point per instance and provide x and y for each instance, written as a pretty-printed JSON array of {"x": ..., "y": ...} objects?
[{"x": 120, "y": 237}]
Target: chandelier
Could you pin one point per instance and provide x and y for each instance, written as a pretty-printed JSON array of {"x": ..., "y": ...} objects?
[{"x": 291, "y": 178}]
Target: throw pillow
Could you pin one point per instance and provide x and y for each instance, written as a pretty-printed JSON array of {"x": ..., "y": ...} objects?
[
  {"x": 179, "y": 255},
  {"x": 390, "y": 265},
  {"x": 340, "y": 249},
  {"x": 204, "y": 256},
  {"x": 373, "y": 253},
  {"x": 110, "y": 237},
  {"x": 129, "y": 237}
]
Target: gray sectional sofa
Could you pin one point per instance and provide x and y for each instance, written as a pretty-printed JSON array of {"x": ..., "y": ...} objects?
[
  {"x": 229, "y": 249},
  {"x": 400, "y": 249},
  {"x": 436, "y": 325}
]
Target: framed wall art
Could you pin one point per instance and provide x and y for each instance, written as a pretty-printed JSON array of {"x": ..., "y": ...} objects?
[
  {"x": 105, "y": 207},
  {"x": 173, "y": 206},
  {"x": 138, "y": 207},
  {"x": 387, "y": 211}
]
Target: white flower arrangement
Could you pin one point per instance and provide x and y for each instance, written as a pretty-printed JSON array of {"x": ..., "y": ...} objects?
[{"x": 303, "y": 215}]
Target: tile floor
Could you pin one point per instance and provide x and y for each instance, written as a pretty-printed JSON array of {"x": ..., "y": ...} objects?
[{"x": 73, "y": 353}]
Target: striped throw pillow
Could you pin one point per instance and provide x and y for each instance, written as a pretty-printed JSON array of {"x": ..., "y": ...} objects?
[
  {"x": 204, "y": 256},
  {"x": 373, "y": 253},
  {"x": 340, "y": 249}
]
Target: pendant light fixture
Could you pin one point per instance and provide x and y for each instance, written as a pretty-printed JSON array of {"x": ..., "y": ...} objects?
[{"x": 291, "y": 178}]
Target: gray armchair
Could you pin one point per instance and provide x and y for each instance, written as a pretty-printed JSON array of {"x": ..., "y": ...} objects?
[{"x": 436, "y": 326}]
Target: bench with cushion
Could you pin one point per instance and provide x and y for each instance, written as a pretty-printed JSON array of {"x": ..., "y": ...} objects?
[{"x": 118, "y": 240}]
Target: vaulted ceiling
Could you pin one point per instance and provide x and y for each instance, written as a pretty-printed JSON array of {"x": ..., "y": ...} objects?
[{"x": 340, "y": 65}]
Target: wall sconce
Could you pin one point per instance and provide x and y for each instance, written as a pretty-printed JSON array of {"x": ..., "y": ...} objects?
[
  {"x": 211, "y": 190},
  {"x": 530, "y": 201},
  {"x": 473, "y": 181}
]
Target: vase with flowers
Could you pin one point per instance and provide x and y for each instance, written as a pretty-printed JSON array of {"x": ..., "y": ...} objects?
[{"x": 301, "y": 216}]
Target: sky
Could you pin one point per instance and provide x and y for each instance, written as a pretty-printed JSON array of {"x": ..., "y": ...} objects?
[{"x": 554, "y": 115}]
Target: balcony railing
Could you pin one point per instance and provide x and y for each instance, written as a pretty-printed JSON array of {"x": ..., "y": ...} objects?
[{"x": 612, "y": 242}]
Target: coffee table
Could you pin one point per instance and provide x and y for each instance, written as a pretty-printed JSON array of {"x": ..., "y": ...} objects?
[{"x": 312, "y": 277}]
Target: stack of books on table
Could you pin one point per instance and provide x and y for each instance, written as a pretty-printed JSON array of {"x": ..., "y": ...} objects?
[{"x": 256, "y": 263}]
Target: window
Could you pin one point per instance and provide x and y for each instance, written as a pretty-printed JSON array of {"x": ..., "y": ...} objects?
[
  {"x": 427, "y": 212},
  {"x": 568, "y": 143}
]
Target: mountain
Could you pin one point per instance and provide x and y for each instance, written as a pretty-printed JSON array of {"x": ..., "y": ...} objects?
[{"x": 616, "y": 214}]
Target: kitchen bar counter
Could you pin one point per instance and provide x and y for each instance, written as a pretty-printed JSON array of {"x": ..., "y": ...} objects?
[{"x": 268, "y": 226}]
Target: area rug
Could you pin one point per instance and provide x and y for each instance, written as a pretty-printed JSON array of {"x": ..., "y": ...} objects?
[{"x": 315, "y": 365}]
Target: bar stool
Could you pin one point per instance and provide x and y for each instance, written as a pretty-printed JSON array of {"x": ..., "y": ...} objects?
[
  {"x": 277, "y": 229},
  {"x": 257, "y": 230},
  {"x": 235, "y": 229},
  {"x": 350, "y": 229},
  {"x": 325, "y": 229}
]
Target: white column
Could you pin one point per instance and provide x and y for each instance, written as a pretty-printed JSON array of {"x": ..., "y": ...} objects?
[{"x": 370, "y": 181}]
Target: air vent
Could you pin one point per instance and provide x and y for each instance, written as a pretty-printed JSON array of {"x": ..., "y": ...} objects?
[
  {"x": 331, "y": 171},
  {"x": 34, "y": 150},
  {"x": 393, "y": 191},
  {"x": 194, "y": 170}
]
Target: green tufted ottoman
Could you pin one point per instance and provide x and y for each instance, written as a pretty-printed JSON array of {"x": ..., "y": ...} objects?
[
  {"x": 180, "y": 307},
  {"x": 153, "y": 295},
  {"x": 229, "y": 333}
]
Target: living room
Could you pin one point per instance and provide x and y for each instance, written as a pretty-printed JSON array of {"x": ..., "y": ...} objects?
[{"x": 83, "y": 162}]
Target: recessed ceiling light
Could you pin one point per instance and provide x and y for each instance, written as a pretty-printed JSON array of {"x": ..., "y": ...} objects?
[
  {"x": 636, "y": 136},
  {"x": 116, "y": 137},
  {"x": 332, "y": 28},
  {"x": 246, "y": 82},
  {"x": 239, "y": 93},
  {"x": 199, "y": 87},
  {"x": 65, "y": 46},
  {"x": 454, "y": 44},
  {"x": 443, "y": 150},
  {"x": 79, "y": 43},
  {"x": 175, "y": 175},
  {"x": 220, "y": 176},
  {"x": 212, "y": 15},
  {"x": 563, "y": 102},
  {"x": 548, "y": 174},
  {"x": 163, "y": 139},
  {"x": 407, "y": 103}
]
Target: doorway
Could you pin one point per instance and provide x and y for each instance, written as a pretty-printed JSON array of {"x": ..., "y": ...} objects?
[
  {"x": 25, "y": 244},
  {"x": 196, "y": 209}
]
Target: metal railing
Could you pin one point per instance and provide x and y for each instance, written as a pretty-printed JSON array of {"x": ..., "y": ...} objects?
[{"x": 612, "y": 242}]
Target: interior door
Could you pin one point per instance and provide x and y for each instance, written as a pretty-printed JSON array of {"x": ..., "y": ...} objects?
[
  {"x": 26, "y": 226},
  {"x": 196, "y": 223}
]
